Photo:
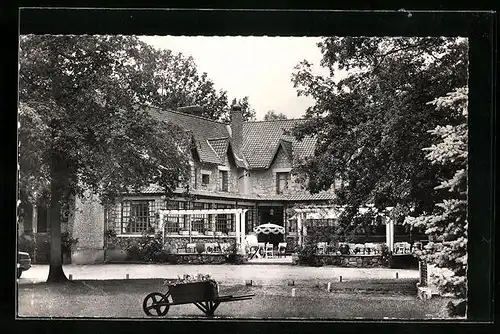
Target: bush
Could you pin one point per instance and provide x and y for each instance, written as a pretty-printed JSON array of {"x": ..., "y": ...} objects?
[
  {"x": 148, "y": 246},
  {"x": 234, "y": 256},
  {"x": 161, "y": 256},
  {"x": 307, "y": 255},
  {"x": 67, "y": 242},
  {"x": 200, "y": 247},
  {"x": 386, "y": 256}
]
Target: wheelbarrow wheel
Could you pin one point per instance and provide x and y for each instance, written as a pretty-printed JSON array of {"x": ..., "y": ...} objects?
[{"x": 156, "y": 304}]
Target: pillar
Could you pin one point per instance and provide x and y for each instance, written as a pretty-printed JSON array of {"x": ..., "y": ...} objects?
[
  {"x": 389, "y": 233},
  {"x": 299, "y": 228},
  {"x": 237, "y": 223},
  {"x": 242, "y": 228}
]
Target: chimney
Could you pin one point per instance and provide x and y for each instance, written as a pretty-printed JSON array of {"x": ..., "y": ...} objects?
[
  {"x": 192, "y": 110},
  {"x": 237, "y": 128}
]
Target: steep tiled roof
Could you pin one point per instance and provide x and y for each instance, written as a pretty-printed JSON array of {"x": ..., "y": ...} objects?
[
  {"x": 219, "y": 145},
  {"x": 200, "y": 127},
  {"x": 260, "y": 140}
]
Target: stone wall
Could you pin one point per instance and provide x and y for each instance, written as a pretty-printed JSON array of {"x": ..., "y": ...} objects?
[
  {"x": 357, "y": 261},
  {"x": 263, "y": 182},
  {"x": 200, "y": 259},
  {"x": 87, "y": 225},
  {"x": 175, "y": 243}
]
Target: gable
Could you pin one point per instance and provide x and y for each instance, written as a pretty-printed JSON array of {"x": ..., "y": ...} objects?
[{"x": 261, "y": 140}]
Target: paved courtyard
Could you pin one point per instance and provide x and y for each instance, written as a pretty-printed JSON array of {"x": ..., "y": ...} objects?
[{"x": 224, "y": 274}]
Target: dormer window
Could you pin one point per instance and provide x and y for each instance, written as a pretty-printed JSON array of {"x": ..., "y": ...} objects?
[
  {"x": 282, "y": 182},
  {"x": 205, "y": 180}
]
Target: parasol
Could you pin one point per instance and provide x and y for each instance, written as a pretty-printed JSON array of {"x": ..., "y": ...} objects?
[{"x": 269, "y": 229}]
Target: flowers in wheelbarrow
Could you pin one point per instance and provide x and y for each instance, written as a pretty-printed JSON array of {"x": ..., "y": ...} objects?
[{"x": 198, "y": 277}]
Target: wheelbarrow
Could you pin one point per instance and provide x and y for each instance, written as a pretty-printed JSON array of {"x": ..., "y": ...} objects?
[{"x": 204, "y": 295}]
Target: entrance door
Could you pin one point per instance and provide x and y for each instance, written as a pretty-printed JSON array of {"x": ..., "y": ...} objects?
[{"x": 271, "y": 214}]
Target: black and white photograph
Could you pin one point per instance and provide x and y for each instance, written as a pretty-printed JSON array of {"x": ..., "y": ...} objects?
[{"x": 252, "y": 177}]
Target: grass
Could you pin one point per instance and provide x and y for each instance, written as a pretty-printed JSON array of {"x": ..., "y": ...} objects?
[{"x": 370, "y": 299}]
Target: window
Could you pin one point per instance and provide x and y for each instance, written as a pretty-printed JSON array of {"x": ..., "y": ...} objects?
[
  {"x": 205, "y": 180},
  {"x": 224, "y": 222},
  {"x": 137, "y": 216},
  {"x": 281, "y": 182},
  {"x": 174, "y": 223},
  {"x": 201, "y": 223},
  {"x": 224, "y": 180}
]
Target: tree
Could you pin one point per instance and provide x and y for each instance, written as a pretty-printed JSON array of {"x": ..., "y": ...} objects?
[
  {"x": 271, "y": 115},
  {"x": 447, "y": 222},
  {"x": 82, "y": 127},
  {"x": 372, "y": 125},
  {"x": 178, "y": 84},
  {"x": 246, "y": 108}
]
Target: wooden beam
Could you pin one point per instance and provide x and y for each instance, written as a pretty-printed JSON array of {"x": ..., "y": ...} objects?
[{"x": 203, "y": 211}]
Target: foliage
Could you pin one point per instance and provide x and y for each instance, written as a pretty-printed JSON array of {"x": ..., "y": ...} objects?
[
  {"x": 67, "y": 242},
  {"x": 233, "y": 255},
  {"x": 177, "y": 83},
  {"x": 82, "y": 125},
  {"x": 200, "y": 247},
  {"x": 447, "y": 221},
  {"x": 149, "y": 248},
  {"x": 371, "y": 125},
  {"x": 272, "y": 115},
  {"x": 248, "y": 113}
]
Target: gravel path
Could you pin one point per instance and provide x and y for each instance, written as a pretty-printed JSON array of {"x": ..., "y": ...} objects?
[{"x": 224, "y": 274}]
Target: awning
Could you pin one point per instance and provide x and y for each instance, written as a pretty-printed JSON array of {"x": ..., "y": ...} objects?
[{"x": 269, "y": 229}]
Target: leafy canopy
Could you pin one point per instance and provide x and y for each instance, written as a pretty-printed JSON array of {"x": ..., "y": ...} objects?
[
  {"x": 372, "y": 124},
  {"x": 272, "y": 115}
]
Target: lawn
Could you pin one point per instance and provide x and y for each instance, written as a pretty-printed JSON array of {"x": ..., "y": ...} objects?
[{"x": 370, "y": 299}]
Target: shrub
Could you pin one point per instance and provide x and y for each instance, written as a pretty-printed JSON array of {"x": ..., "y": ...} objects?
[
  {"x": 148, "y": 246},
  {"x": 161, "y": 256},
  {"x": 234, "y": 256},
  {"x": 386, "y": 256},
  {"x": 67, "y": 242},
  {"x": 307, "y": 255},
  {"x": 200, "y": 247}
]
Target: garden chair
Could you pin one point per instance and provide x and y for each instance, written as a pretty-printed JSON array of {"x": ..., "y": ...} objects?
[
  {"x": 359, "y": 248},
  {"x": 321, "y": 247},
  {"x": 261, "y": 249},
  {"x": 281, "y": 249},
  {"x": 370, "y": 248},
  {"x": 399, "y": 248},
  {"x": 352, "y": 248},
  {"x": 406, "y": 247},
  {"x": 191, "y": 248},
  {"x": 269, "y": 250}
]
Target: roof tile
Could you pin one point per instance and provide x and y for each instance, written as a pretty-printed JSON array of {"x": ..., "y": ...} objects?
[{"x": 261, "y": 138}]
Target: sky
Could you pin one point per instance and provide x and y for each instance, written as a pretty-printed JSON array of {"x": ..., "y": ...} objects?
[{"x": 258, "y": 67}]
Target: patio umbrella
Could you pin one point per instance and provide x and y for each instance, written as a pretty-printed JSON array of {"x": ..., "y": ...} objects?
[{"x": 270, "y": 233}]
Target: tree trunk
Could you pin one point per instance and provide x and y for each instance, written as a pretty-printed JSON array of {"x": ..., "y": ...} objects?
[{"x": 56, "y": 273}]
